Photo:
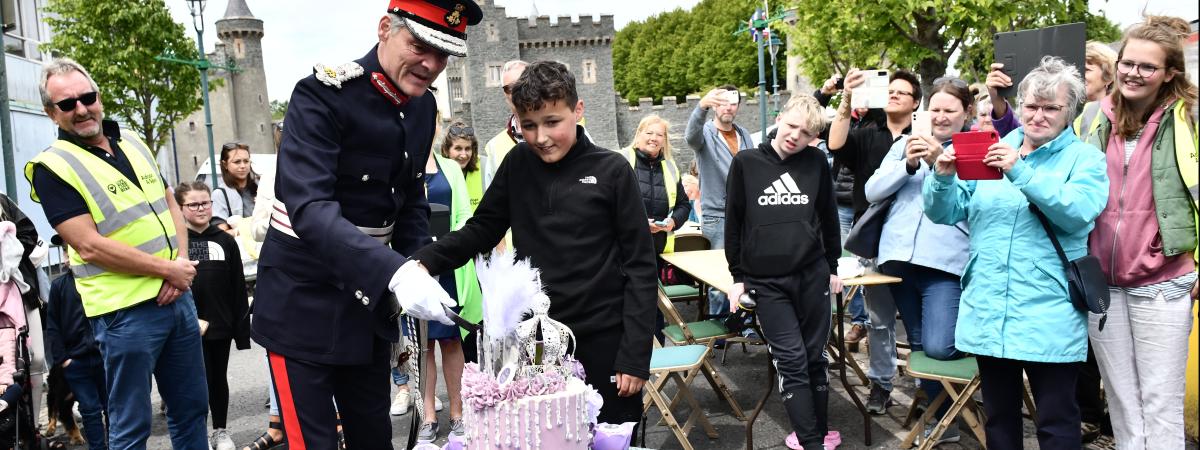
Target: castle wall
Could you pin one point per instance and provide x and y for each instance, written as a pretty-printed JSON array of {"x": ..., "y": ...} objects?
[{"x": 677, "y": 114}]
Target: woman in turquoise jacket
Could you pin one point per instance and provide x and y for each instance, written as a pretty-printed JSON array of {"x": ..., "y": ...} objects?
[{"x": 1015, "y": 313}]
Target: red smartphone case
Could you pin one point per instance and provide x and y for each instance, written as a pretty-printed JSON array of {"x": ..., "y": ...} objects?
[{"x": 970, "y": 148}]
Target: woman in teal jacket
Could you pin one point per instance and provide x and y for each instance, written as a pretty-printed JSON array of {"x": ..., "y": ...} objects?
[{"x": 1015, "y": 313}]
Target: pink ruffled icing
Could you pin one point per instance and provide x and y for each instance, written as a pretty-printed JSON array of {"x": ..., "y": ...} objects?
[{"x": 481, "y": 391}]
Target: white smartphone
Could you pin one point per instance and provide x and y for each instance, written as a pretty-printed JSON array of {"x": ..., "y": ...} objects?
[
  {"x": 873, "y": 92},
  {"x": 731, "y": 97},
  {"x": 921, "y": 124}
]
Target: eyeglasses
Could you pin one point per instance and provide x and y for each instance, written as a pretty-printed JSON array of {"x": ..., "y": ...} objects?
[
  {"x": 1143, "y": 70},
  {"x": 462, "y": 131},
  {"x": 899, "y": 92},
  {"x": 507, "y": 89},
  {"x": 198, "y": 206},
  {"x": 1049, "y": 110},
  {"x": 234, "y": 145},
  {"x": 68, "y": 104}
]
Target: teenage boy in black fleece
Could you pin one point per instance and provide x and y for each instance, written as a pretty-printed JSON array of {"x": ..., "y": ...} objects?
[
  {"x": 782, "y": 240},
  {"x": 576, "y": 212}
]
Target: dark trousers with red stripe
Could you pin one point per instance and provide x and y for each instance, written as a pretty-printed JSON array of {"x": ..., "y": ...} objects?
[{"x": 307, "y": 392}]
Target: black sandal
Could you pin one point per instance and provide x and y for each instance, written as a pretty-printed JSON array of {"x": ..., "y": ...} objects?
[{"x": 264, "y": 442}]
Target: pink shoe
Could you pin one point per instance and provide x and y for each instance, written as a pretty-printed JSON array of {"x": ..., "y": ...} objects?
[
  {"x": 792, "y": 442},
  {"x": 832, "y": 440}
]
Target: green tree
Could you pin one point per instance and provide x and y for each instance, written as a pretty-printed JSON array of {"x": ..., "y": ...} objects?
[
  {"x": 279, "y": 109},
  {"x": 680, "y": 52},
  {"x": 117, "y": 41},
  {"x": 835, "y": 35}
]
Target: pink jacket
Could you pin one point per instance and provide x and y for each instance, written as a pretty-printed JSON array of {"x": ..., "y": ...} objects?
[
  {"x": 8, "y": 355},
  {"x": 1126, "y": 238}
]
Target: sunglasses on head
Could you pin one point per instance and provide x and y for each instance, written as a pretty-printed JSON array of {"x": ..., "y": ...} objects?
[
  {"x": 68, "y": 104},
  {"x": 507, "y": 88},
  {"x": 462, "y": 131},
  {"x": 234, "y": 145},
  {"x": 952, "y": 80}
]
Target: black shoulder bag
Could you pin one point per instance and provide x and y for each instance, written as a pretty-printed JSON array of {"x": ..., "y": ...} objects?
[
  {"x": 1085, "y": 279},
  {"x": 863, "y": 239}
]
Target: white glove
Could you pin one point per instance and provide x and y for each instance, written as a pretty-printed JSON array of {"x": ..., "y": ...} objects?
[{"x": 422, "y": 297}]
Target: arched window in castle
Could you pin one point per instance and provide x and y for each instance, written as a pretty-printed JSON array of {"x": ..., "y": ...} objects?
[
  {"x": 260, "y": 99},
  {"x": 589, "y": 71},
  {"x": 192, "y": 126},
  {"x": 493, "y": 75},
  {"x": 262, "y": 129},
  {"x": 492, "y": 34},
  {"x": 238, "y": 48}
]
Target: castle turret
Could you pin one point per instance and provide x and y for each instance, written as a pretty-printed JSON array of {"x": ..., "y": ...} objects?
[{"x": 242, "y": 35}]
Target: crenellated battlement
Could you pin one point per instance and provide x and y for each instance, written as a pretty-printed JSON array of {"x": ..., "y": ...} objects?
[{"x": 648, "y": 104}]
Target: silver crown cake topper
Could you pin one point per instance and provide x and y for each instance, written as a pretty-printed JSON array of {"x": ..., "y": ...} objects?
[
  {"x": 556, "y": 339},
  {"x": 509, "y": 342}
]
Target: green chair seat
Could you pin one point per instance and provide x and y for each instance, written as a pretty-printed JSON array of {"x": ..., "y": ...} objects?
[
  {"x": 680, "y": 290},
  {"x": 963, "y": 369},
  {"x": 677, "y": 356},
  {"x": 700, "y": 330}
]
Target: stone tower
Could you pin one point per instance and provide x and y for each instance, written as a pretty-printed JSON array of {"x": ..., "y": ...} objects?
[
  {"x": 242, "y": 35},
  {"x": 241, "y": 110}
]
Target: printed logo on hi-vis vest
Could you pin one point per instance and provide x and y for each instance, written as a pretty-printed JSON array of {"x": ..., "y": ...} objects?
[{"x": 783, "y": 192}]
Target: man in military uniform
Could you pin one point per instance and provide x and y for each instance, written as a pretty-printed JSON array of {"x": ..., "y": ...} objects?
[{"x": 351, "y": 204}]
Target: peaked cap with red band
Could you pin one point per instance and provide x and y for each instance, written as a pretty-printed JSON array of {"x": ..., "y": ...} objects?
[{"x": 441, "y": 24}]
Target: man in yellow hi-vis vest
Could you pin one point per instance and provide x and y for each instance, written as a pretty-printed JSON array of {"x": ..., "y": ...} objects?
[{"x": 102, "y": 192}]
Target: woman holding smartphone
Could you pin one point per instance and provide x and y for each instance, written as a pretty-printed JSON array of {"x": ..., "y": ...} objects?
[{"x": 929, "y": 257}]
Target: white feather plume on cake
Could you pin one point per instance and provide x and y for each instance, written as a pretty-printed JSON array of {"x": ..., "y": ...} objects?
[{"x": 509, "y": 288}]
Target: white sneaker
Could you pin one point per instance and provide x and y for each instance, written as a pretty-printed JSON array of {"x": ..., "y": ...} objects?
[
  {"x": 221, "y": 439},
  {"x": 401, "y": 402},
  {"x": 437, "y": 404}
]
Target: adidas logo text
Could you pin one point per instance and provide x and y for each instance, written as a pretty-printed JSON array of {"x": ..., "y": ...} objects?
[{"x": 783, "y": 192}]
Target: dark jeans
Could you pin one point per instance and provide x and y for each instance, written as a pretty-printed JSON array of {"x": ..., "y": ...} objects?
[
  {"x": 1053, "y": 386},
  {"x": 928, "y": 303},
  {"x": 164, "y": 341},
  {"x": 795, "y": 315},
  {"x": 85, "y": 375}
]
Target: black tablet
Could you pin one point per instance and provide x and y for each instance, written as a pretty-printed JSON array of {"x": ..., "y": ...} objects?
[{"x": 1022, "y": 51}]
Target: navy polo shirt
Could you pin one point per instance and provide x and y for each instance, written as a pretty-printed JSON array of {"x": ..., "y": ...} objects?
[{"x": 59, "y": 200}]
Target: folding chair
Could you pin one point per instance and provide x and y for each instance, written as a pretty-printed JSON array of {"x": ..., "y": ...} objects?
[
  {"x": 679, "y": 363},
  {"x": 690, "y": 291},
  {"x": 960, "y": 379},
  {"x": 704, "y": 333}
]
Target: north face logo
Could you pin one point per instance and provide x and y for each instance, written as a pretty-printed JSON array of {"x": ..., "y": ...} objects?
[{"x": 783, "y": 192}]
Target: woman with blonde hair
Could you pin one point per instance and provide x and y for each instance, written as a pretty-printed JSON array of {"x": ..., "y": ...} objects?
[
  {"x": 1146, "y": 237},
  {"x": 661, "y": 183}
]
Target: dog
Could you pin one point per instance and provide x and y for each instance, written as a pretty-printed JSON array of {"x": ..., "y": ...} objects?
[{"x": 60, "y": 404}]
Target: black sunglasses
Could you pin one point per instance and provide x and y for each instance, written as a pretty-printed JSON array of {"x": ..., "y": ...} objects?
[
  {"x": 462, "y": 131},
  {"x": 68, "y": 104},
  {"x": 507, "y": 88}
]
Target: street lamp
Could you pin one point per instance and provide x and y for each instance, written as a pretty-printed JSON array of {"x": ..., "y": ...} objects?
[
  {"x": 773, "y": 45},
  {"x": 197, "y": 9}
]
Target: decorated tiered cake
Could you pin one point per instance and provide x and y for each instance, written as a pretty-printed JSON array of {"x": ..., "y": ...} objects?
[{"x": 527, "y": 392}]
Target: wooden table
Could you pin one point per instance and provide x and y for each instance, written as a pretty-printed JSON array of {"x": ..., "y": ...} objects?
[{"x": 711, "y": 268}]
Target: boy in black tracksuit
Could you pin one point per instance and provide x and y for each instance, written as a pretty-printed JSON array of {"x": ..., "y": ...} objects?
[
  {"x": 576, "y": 212},
  {"x": 782, "y": 241}
]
